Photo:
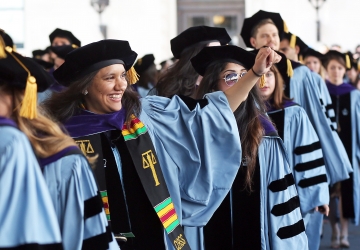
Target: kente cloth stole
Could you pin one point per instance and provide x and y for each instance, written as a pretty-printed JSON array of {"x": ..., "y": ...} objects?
[{"x": 147, "y": 165}]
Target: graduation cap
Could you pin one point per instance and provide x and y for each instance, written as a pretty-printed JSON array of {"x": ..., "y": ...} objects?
[
  {"x": 295, "y": 41},
  {"x": 38, "y": 53},
  {"x": 354, "y": 63},
  {"x": 195, "y": 35},
  {"x": 62, "y": 51},
  {"x": 312, "y": 52},
  {"x": 65, "y": 34},
  {"x": 251, "y": 22},
  {"x": 95, "y": 56},
  {"x": 142, "y": 64},
  {"x": 227, "y": 53},
  {"x": 7, "y": 40},
  {"x": 334, "y": 54},
  {"x": 23, "y": 73}
]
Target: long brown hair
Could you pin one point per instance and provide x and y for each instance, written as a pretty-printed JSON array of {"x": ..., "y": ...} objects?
[
  {"x": 246, "y": 115},
  {"x": 45, "y": 136},
  {"x": 278, "y": 96},
  {"x": 180, "y": 78},
  {"x": 63, "y": 105}
]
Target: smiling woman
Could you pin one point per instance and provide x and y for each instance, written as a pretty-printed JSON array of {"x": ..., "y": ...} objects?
[{"x": 147, "y": 192}]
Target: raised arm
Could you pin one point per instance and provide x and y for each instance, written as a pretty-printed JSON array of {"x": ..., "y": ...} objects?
[{"x": 265, "y": 58}]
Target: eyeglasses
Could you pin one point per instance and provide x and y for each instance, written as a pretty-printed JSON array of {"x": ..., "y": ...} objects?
[{"x": 232, "y": 78}]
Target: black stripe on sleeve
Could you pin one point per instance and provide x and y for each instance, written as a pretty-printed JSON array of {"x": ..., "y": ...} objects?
[
  {"x": 292, "y": 230},
  {"x": 333, "y": 119},
  {"x": 301, "y": 167},
  {"x": 312, "y": 181},
  {"x": 98, "y": 242},
  {"x": 332, "y": 128},
  {"x": 35, "y": 246},
  {"x": 286, "y": 207},
  {"x": 282, "y": 184},
  {"x": 93, "y": 206},
  {"x": 307, "y": 148},
  {"x": 321, "y": 102}
]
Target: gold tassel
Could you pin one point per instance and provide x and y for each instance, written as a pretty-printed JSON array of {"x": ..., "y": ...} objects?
[
  {"x": 28, "y": 108},
  {"x": 301, "y": 59},
  {"x": 262, "y": 81},
  {"x": 348, "y": 63},
  {"x": 14, "y": 47},
  {"x": 74, "y": 46},
  {"x": 293, "y": 41},
  {"x": 358, "y": 66},
  {"x": 290, "y": 71},
  {"x": 2, "y": 48},
  {"x": 286, "y": 29},
  {"x": 132, "y": 75}
]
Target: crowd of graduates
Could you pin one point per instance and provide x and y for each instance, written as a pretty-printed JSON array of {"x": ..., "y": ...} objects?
[{"x": 219, "y": 147}]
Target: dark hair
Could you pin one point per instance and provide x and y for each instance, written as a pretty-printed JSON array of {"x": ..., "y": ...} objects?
[
  {"x": 247, "y": 116},
  {"x": 278, "y": 96},
  {"x": 335, "y": 57},
  {"x": 261, "y": 23},
  {"x": 181, "y": 78},
  {"x": 63, "y": 105}
]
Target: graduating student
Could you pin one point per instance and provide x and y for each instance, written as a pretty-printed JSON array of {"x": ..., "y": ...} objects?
[
  {"x": 59, "y": 54},
  {"x": 353, "y": 72},
  {"x": 67, "y": 173},
  {"x": 303, "y": 149},
  {"x": 27, "y": 216},
  {"x": 161, "y": 161},
  {"x": 181, "y": 78},
  {"x": 147, "y": 71},
  {"x": 346, "y": 100},
  {"x": 42, "y": 57},
  {"x": 262, "y": 210},
  {"x": 312, "y": 59},
  {"x": 306, "y": 88}
]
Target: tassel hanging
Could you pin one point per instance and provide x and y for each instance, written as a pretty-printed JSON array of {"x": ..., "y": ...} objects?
[
  {"x": 348, "y": 63},
  {"x": 132, "y": 75},
  {"x": 290, "y": 70},
  {"x": 286, "y": 29},
  {"x": 358, "y": 66},
  {"x": 293, "y": 41},
  {"x": 74, "y": 46},
  {"x": 301, "y": 59},
  {"x": 262, "y": 81},
  {"x": 28, "y": 108},
  {"x": 2, "y": 48}
]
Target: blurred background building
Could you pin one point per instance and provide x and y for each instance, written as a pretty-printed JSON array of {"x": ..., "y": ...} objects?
[{"x": 150, "y": 24}]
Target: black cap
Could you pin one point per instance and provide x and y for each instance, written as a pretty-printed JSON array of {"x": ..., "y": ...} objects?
[
  {"x": 16, "y": 76},
  {"x": 38, "y": 53},
  {"x": 62, "y": 51},
  {"x": 354, "y": 62},
  {"x": 65, "y": 34},
  {"x": 251, "y": 22},
  {"x": 195, "y": 35},
  {"x": 227, "y": 53},
  {"x": 7, "y": 39},
  {"x": 334, "y": 54},
  {"x": 142, "y": 64},
  {"x": 92, "y": 57},
  {"x": 295, "y": 41},
  {"x": 312, "y": 52}
]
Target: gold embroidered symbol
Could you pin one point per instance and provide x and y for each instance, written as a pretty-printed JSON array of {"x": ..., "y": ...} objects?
[
  {"x": 148, "y": 159},
  {"x": 85, "y": 146},
  {"x": 179, "y": 242}
]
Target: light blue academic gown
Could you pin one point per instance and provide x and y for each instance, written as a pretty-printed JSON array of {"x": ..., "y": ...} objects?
[
  {"x": 274, "y": 173},
  {"x": 273, "y": 224},
  {"x": 74, "y": 194},
  {"x": 307, "y": 165},
  {"x": 306, "y": 91},
  {"x": 199, "y": 152},
  {"x": 27, "y": 217},
  {"x": 355, "y": 125}
]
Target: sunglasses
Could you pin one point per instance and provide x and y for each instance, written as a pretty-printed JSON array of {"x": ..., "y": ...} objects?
[{"x": 232, "y": 78}]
